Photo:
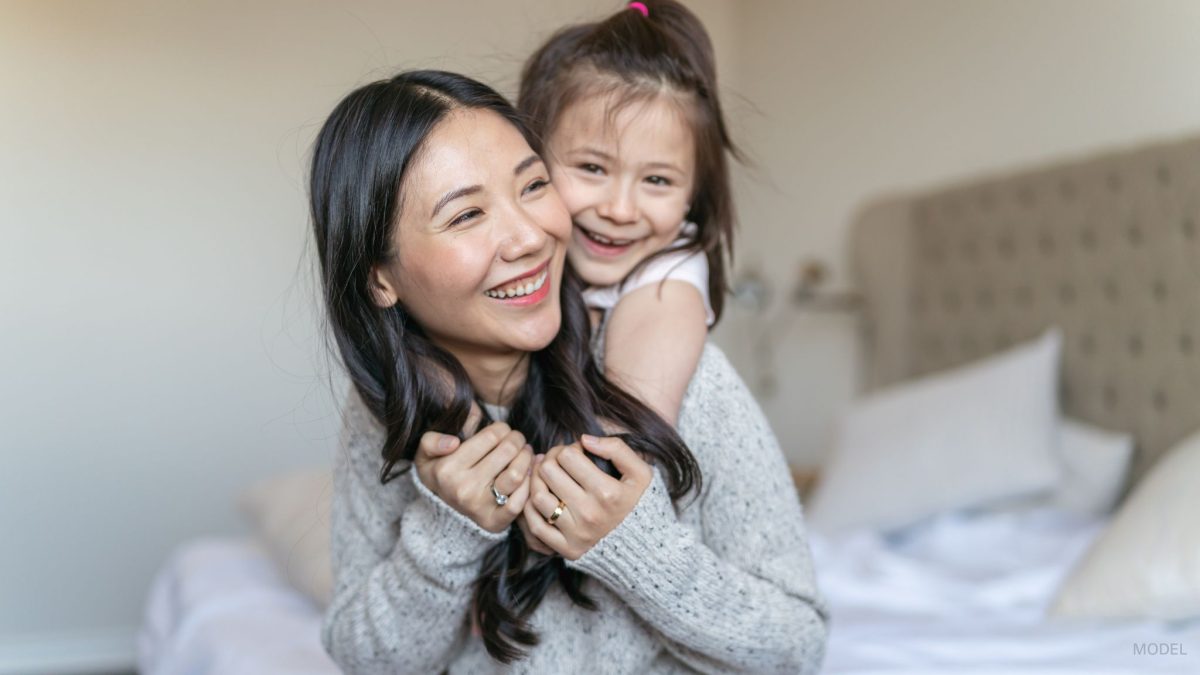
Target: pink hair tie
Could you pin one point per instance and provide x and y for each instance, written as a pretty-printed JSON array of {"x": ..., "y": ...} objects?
[{"x": 641, "y": 7}]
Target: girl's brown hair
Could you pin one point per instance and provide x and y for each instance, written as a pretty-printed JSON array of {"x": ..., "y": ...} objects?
[{"x": 639, "y": 57}]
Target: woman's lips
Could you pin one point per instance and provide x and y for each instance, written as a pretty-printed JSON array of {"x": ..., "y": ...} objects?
[
  {"x": 535, "y": 288},
  {"x": 600, "y": 249}
]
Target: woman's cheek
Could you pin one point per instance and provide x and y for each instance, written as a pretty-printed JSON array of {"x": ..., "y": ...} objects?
[
  {"x": 555, "y": 217},
  {"x": 574, "y": 194}
]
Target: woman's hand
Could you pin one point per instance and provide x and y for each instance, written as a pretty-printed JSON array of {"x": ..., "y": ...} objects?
[
  {"x": 594, "y": 502},
  {"x": 462, "y": 473}
]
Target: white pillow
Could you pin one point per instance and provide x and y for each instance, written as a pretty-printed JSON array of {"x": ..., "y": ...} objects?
[
  {"x": 290, "y": 516},
  {"x": 957, "y": 439},
  {"x": 1146, "y": 563},
  {"x": 1095, "y": 462}
]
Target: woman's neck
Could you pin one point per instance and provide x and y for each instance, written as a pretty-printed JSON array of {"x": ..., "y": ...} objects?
[{"x": 497, "y": 377}]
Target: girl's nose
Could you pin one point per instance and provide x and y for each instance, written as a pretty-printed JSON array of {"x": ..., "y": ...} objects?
[{"x": 620, "y": 207}]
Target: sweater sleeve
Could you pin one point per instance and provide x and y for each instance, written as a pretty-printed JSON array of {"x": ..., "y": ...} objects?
[
  {"x": 403, "y": 562},
  {"x": 744, "y": 598}
]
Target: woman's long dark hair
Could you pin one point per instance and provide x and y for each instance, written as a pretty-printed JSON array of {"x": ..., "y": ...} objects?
[
  {"x": 638, "y": 58},
  {"x": 359, "y": 162}
]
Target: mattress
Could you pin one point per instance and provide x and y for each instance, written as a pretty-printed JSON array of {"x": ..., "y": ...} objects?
[
  {"x": 220, "y": 607},
  {"x": 961, "y": 593},
  {"x": 968, "y": 593}
]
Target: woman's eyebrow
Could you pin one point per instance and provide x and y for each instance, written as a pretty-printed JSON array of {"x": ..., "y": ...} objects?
[
  {"x": 451, "y": 196},
  {"x": 525, "y": 164}
]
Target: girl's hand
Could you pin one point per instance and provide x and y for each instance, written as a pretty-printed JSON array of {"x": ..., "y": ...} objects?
[
  {"x": 462, "y": 473},
  {"x": 594, "y": 502}
]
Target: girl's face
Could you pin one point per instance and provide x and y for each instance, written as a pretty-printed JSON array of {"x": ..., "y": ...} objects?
[
  {"x": 626, "y": 179},
  {"x": 479, "y": 245}
]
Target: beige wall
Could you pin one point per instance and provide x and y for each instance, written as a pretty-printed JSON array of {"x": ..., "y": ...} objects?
[
  {"x": 859, "y": 97},
  {"x": 158, "y": 347}
]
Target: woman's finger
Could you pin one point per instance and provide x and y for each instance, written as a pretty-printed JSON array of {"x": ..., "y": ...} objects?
[
  {"x": 478, "y": 446},
  {"x": 559, "y": 481},
  {"x": 632, "y": 467},
  {"x": 544, "y": 531},
  {"x": 545, "y": 503},
  {"x": 474, "y": 417},
  {"x": 434, "y": 444},
  {"x": 501, "y": 454},
  {"x": 531, "y": 541},
  {"x": 585, "y": 472},
  {"x": 517, "y": 500},
  {"x": 517, "y": 472}
]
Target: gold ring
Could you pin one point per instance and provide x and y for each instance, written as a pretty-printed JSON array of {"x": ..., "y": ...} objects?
[{"x": 558, "y": 511}]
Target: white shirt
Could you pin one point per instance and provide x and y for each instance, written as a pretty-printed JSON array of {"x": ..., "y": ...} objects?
[{"x": 689, "y": 266}]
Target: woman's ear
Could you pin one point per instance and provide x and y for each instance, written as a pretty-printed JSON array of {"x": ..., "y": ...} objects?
[{"x": 383, "y": 293}]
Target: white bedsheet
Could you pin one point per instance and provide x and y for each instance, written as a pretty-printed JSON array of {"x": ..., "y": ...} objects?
[
  {"x": 960, "y": 594},
  {"x": 968, "y": 594},
  {"x": 219, "y": 607}
]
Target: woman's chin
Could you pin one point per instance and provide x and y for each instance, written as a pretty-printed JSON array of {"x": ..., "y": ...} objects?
[{"x": 537, "y": 334}]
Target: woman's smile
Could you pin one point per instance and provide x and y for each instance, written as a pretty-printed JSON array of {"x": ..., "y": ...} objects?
[{"x": 527, "y": 289}]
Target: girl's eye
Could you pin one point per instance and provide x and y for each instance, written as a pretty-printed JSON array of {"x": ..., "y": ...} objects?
[
  {"x": 591, "y": 168},
  {"x": 536, "y": 185},
  {"x": 658, "y": 180},
  {"x": 465, "y": 216}
]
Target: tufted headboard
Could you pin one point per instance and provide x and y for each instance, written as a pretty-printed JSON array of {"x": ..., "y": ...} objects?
[{"x": 1107, "y": 247}]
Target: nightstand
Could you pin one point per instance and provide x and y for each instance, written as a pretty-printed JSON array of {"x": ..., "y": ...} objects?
[{"x": 805, "y": 477}]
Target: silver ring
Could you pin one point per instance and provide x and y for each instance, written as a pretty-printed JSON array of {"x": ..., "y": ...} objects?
[{"x": 501, "y": 500}]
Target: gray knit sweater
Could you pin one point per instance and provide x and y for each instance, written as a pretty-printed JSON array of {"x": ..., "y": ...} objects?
[{"x": 724, "y": 584}]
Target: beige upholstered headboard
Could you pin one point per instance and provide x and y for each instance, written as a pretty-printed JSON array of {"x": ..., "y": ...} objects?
[{"x": 1107, "y": 247}]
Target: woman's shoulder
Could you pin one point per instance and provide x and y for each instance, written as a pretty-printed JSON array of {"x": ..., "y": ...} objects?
[{"x": 718, "y": 410}]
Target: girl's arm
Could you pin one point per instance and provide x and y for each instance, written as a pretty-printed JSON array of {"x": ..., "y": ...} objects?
[
  {"x": 653, "y": 341},
  {"x": 742, "y": 596},
  {"x": 403, "y": 562}
]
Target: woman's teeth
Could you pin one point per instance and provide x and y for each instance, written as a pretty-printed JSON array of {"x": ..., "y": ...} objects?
[{"x": 517, "y": 290}]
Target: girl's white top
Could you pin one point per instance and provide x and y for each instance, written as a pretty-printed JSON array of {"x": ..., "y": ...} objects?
[{"x": 689, "y": 266}]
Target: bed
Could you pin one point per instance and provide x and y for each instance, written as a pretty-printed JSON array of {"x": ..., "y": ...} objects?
[{"x": 1105, "y": 248}]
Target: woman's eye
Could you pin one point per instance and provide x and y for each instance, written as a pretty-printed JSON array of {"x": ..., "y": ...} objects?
[
  {"x": 591, "y": 168},
  {"x": 536, "y": 185},
  {"x": 465, "y": 216},
  {"x": 658, "y": 180}
]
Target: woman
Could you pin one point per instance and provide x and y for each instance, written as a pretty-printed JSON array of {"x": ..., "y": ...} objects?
[{"x": 442, "y": 246}]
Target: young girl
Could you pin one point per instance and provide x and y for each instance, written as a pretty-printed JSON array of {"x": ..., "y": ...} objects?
[{"x": 636, "y": 145}]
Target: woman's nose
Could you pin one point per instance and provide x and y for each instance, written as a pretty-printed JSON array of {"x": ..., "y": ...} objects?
[
  {"x": 522, "y": 237},
  {"x": 619, "y": 206}
]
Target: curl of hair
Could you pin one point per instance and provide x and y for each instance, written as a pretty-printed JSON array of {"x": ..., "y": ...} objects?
[
  {"x": 359, "y": 162},
  {"x": 630, "y": 58}
]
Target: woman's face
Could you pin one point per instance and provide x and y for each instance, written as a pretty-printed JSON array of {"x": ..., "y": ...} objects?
[
  {"x": 480, "y": 241},
  {"x": 626, "y": 179}
]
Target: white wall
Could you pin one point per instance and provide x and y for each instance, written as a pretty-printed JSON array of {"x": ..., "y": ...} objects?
[
  {"x": 861, "y": 97},
  {"x": 157, "y": 337},
  {"x": 158, "y": 345}
]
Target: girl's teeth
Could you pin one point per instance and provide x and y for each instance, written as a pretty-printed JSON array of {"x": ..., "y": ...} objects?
[{"x": 607, "y": 241}]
